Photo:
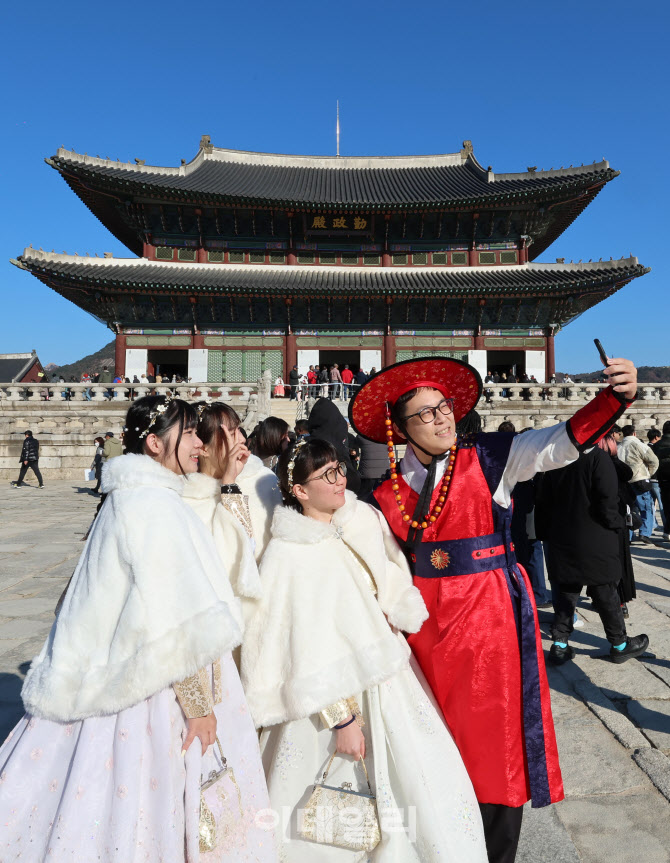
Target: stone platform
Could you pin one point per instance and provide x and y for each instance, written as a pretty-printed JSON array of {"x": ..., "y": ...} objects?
[{"x": 612, "y": 721}]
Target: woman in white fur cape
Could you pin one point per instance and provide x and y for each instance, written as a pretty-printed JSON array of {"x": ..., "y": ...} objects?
[
  {"x": 135, "y": 681},
  {"x": 214, "y": 494},
  {"x": 325, "y": 669}
]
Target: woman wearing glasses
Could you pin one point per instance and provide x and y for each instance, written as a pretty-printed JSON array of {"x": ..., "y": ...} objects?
[{"x": 327, "y": 672}]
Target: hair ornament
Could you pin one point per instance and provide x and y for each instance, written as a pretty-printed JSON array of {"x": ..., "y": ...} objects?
[
  {"x": 291, "y": 464},
  {"x": 155, "y": 414},
  {"x": 200, "y": 410}
]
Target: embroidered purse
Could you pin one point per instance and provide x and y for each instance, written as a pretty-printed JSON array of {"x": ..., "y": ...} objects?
[
  {"x": 217, "y": 816},
  {"x": 341, "y": 816}
]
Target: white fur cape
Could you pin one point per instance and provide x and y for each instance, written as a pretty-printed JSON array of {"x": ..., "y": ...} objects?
[
  {"x": 318, "y": 633},
  {"x": 148, "y": 604},
  {"x": 235, "y": 547},
  {"x": 261, "y": 486}
]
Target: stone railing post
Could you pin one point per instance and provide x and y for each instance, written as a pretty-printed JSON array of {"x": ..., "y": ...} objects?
[
  {"x": 98, "y": 393},
  {"x": 57, "y": 393},
  {"x": 35, "y": 391},
  {"x": 121, "y": 394},
  {"x": 245, "y": 392},
  {"x": 514, "y": 391},
  {"x": 224, "y": 393},
  {"x": 14, "y": 393}
]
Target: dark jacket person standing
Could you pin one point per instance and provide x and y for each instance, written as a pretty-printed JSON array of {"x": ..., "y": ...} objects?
[
  {"x": 577, "y": 516},
  {"x": 30, "y": 454}
]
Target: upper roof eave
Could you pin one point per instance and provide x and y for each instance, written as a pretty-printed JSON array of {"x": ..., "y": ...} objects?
[{"x": 39, "y": 256}]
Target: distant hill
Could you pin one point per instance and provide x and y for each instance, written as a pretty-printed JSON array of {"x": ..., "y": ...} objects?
[
  {"x": 645, "y": 375},
  {"x": 93, "y": 363}
]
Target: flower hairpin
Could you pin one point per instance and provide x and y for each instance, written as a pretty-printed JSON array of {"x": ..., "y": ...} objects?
[
  {"x": 155, "y": 414},
  {"x": 291, "y": 465},
  {"x": 200, "y": 410}
]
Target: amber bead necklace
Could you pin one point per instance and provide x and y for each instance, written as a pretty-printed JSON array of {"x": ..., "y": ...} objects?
[{"x": 431, "y": 516}]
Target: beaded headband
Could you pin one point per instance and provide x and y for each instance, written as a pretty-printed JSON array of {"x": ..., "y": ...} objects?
[
  {"x": 153, "y": 416},
  {"x": 291, "y": 465}
]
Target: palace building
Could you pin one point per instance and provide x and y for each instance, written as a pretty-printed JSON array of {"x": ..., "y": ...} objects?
[{"x": 246, "y": 261}]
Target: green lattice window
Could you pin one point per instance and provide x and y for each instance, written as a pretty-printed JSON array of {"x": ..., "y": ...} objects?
[
  {"x": 328, "y": 258},
  {"x": 508, "y": 257},
  {"x": 236, "y": 257},
  {"x": 306, "y": 259},
  {"x": 399, "y": 260},
  {"x": 417, "y": 355},
  {"x": 487, "y": 257},
  {"x": 243, "y": 366},
  {"x": 372, "y": 260},
  {"x": 277, "y": 258},
  {"x": 164, "y": 253},
  {"x": 256, "y": 257},
  {"x": 215, "y": 257},
  {"x": 186, "y": 254},
  {"x": 419, "y": 259},
  {"x": 459, "y": 259},
  {"x": 440, "y": 259},
  {"x": 349, "y": 259}
]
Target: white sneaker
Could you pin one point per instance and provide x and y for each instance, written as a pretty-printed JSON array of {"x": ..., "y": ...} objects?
[{"x": 577, "y": 623}]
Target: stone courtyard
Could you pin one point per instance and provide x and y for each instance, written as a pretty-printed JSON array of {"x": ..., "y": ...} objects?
[{"x": 613, "y": 722}]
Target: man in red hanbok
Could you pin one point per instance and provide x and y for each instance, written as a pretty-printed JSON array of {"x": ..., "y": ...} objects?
[{"x": 448, "y": 502}]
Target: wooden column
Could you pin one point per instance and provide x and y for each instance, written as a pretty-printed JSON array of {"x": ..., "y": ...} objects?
[
  {"x": 472, "y": 256},
  {"x": 479, "y": 340},
  {"x": 148, "y": 251},
  {"x": 388, "y": 350},
  {"x": 386, "y": 259},
  {"x": 201, "y": 256},
  {"x": 550, "y": 360},
  {"x": 198, "y": 341},
  {"x": 120, "y": 355},
  {"x": 291, "y": 355}
]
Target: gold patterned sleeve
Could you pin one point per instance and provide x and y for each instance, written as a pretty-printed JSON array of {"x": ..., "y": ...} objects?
[
  {"x": 339, "y": 712},
  {"x": 238, "y": 506},
  {"x": 336, "y": 713},
  {"x": 195, "y": 695}
]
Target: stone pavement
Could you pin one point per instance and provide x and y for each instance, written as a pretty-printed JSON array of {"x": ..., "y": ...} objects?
[{"x": 612, "y": 721}]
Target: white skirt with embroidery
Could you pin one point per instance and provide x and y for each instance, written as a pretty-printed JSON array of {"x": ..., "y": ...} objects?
[
  {"x": 112, "y": 788},
  {"x": 426, "y": 804}
]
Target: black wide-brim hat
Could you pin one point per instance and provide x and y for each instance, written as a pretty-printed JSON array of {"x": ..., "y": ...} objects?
[{"x": 453, "y": 378}]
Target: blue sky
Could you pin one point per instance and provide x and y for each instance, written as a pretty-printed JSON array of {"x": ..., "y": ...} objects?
[{"x": 529, "y": 83}]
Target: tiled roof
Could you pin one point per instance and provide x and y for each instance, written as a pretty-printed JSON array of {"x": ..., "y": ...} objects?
[
  {"x": 403, "y": 182},
  {"x": 16, "y": 367},
  {"x": 141, "y": 275}
]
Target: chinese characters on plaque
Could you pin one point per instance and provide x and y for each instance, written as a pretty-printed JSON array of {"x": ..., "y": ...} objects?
[{"x": 334, "y": 222}]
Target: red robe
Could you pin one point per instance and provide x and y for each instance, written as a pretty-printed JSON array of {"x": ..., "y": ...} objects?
[{"x": 481, "y": 648}]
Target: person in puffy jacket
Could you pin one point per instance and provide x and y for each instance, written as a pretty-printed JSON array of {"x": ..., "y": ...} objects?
[{"x": 30, "y": 455}]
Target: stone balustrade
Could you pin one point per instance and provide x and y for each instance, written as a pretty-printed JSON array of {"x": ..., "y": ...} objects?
[{"x": 81, "y": 392}]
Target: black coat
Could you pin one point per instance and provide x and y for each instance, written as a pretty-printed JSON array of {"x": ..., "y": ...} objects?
[
  {"x": 577, "y": 517},
  {"x": 30, "y": 450},
  {"x": 661, "y": 450},
  {"x": 327, "y": 423}
]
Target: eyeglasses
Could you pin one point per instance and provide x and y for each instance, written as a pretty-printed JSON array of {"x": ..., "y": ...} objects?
[
  {"x": 330, "y": 475},
  {"x": 427, "y": 415}
]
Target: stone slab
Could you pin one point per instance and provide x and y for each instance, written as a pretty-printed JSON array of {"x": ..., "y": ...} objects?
[
  {"x": 609, "y": 714},
  {"x": 24, "y": 628},
  {"x": 544, "y": 838},
  {"x": 625, "y": 681},
  {"x": 593, "y": 762},
  {"x": 657, "y": 767},
  {"x": 29, "y": 607},
  {"x": 653, "y": 717}
]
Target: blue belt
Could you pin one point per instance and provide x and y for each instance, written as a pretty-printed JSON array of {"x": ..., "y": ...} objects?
[{"x": 469, "y": 556}]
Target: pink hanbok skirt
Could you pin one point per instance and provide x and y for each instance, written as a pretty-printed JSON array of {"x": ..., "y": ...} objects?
[{"x": 116, "y": 789}]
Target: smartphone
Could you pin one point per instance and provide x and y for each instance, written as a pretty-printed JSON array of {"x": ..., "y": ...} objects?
[{"x": 601, "y": 351}]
